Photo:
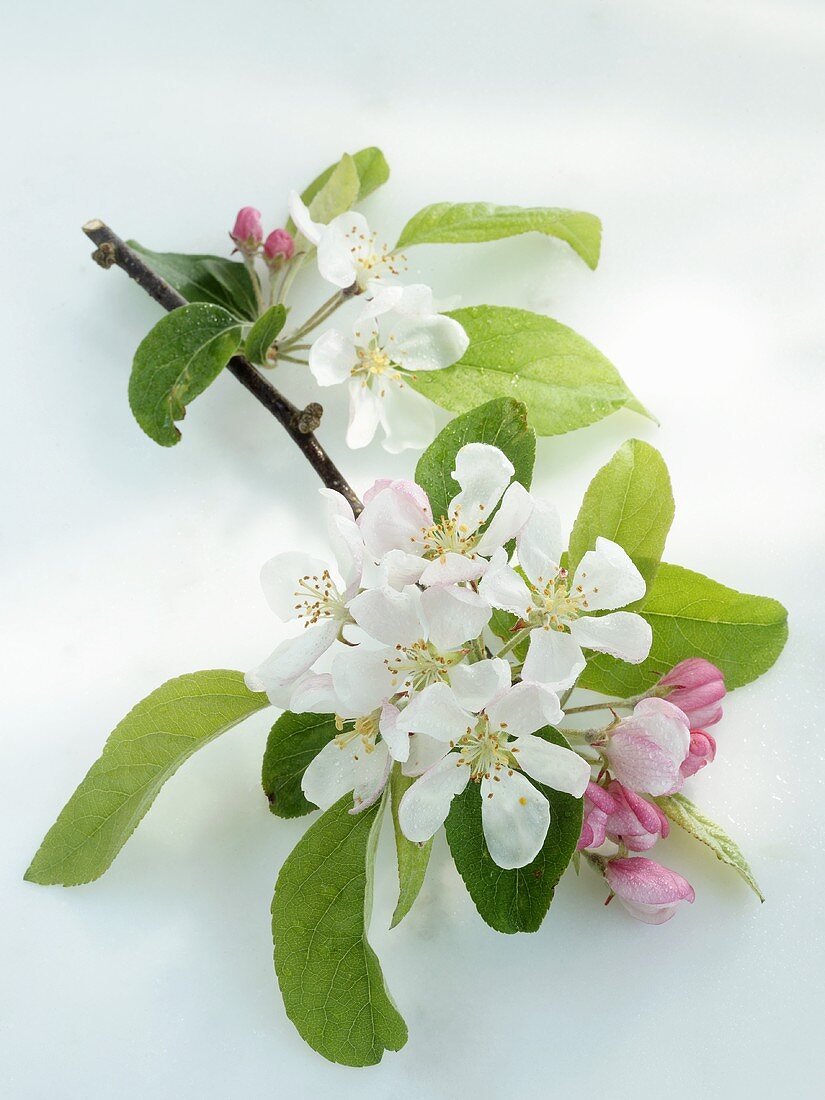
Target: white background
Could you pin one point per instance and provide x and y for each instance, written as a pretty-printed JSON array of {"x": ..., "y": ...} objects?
[{"x": 695, "y": 130}]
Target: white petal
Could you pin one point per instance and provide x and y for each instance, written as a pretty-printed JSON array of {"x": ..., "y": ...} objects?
[
  {"x": 554, "y": 765},
  {"x": 483, "y": 472},
  {"x": 424, "y": 753},
  {"x": 426, "y": 343},
  {"x": 425, "y": 806},
  {"x": 335, "y": 255},
  {"x": 397, "y": 739},
  {"x": 540, "y": 542},
  {"x": 348, "y": 547},
  {"x": 453, "y": 568},
  {"x": 389, "y": 616},
  {"x": 398, "y": 568},
  {"x": 477, "y": 685},
  {"x": 514, "y": 511},
  {"x": 608, "y": 577},
  {"x": 408, "y": 418},
  {"x": 332, "y": 773},
  {"x": 502, "y": 586},
  {"x": 436, "y": 712},
  {"x": 525, "y": 708},
  {"x": 554, "y": 659},
  {"x": 299, "y": 212},
  {"x": 622, "y": 634},
  {"x": 331, "y": 358},
  {"x": 382, "y": 299},
  {"x": 314, "y": 694},
  {"x": 295, "y": 656},
  {"x": 453, "y": 615},
  {"x": 364, "y": 414},
  {"x": 515, "y": 817},
  {"x": 279, "y": 580},
  {"x": 415, "y": 300},
  {"x": 393, "y": 520},
  {"x": 371, "y": 776},
  {"x": 361, "y": 680}
]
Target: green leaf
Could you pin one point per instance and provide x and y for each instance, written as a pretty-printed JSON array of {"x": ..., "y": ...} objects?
[
  {"x": 502, "y": 423},
  {"x": 513, "y": 901},
  {"x": 330, "y": 977},
  {"x": 339, "y": 193},
  {"x": 629, "y": 501},
  {"x": 561, "y": 378},
  {"x": 264, "y": 333},
  {"x": 503, "y": 624},
  {"x": 412, "y": 857},
  {"x": 470, "y": 222},
  {"x": 693, "y": 616},
  {"x": 175, "y": 362},
  {"x": 690, "y": 818},
  {"x": 372, "y": 169},
  {"x": 294, "y": 742},
  {"x": 212, "y": 279},
  {"x": 142, "y": 752}
]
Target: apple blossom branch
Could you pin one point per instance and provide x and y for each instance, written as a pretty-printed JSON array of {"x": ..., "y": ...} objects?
[{"x": 299, "y": 424}]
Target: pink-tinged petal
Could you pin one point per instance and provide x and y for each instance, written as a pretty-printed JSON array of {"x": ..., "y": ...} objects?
[
  {"x": 511, "y": 516},
  {"x": 425, "y": 805},
  {"x": 635, "y": 821},
  {"x": 515, "y": 817},
  {"x": 452, "y": 568},
  {"x": 436, "y": 712},
  {"x": 397, "y": 739},
  {"x": 331, "y": 358},
  {"x": 278, "y": 244},
  {"x": 622, "y": 634},
  {"x": 697, "y": 688},
  {"x": 364, "y": 414},
  {"x": 293, "y": 657},
  {"x": 389, "y": 616},
  {"x": 314, "y": 694},
  {"x": 478, "y": 684},
  {"x": 280, "y": 578},
  {"x": 394, "y": 519},
  {"x": 502, "y": 586},
  {"x": 540, "y": 544},
  {"x": 453, "y": 615},
  {"x": 425, "y": 753},
  {"x": 401, "y": 485},
  {"x": 597, "y": 805},
  {"x": 554, "y": 659},
  {"x": 600, "y": 798},
  {"x": 525, "y": 708},
  {"x": 608, "y": 578},
  {"x": 702, "y": 752},
  {"x": 362, "y": 680},
  {"x": 371, "y": 776},
  {"x": 299, "y": 213},
  {"x": 646, "y": 750},
  {"x": 650, "y": 892},
  {"x": 483, "y": 472},
  {"x": 247, "y": 229},
  {"x": 554, "y": 765}
]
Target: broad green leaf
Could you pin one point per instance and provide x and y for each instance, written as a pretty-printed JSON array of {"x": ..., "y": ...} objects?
[
  {"x": 690, "y": 818},
  {"x": 629, "y": 501},
  {"x": 693, "y": 616},
  {"x": 513, "y": 901},
  {"x": 294, "y": 742},
  {"x": 330, "y": 977},
  {"x": 338, "y": 194},
  {"x": 471, "y": 222},
  {"x": 561, "y": 378},
  {"x": 175, "y": 362},
  {"x": 212, "y": 279},
  {"x": 372, "y": 169},
  {"x": 142, "y": 752},
  {"x": 502, "y": 423},
  {"x": 264, "y": 333},
  {"x": 412, "y": 857}
]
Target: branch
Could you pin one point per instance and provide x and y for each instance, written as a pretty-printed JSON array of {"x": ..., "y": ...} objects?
[{"x": 298, "y": 423}]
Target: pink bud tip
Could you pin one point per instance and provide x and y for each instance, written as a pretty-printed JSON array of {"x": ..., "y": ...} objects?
[
  {"x": 279, "y": 243},
  {"x": 649, "y": 891},
  {"x": 697, "y": 688},
  {"x": 247, "y": 229}
]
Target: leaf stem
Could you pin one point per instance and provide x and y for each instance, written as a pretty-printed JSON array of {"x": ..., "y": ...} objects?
[{"x": 611, "y": 704}]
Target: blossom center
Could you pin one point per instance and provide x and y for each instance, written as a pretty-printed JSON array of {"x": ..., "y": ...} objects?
[
  {"x": 486, "y": 750},
  {"x": 421, "y": 664},
  {"x": 370, "y": 258},
  {"x": 373, "y": 362},
  {"x": 449, "y": 536},
  {"x": 319, "y": 598},
  {"x": 365, "y": 727},
  {"x": 556, "y": 603}
]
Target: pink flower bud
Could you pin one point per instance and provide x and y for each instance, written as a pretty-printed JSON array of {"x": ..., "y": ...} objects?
[
  {"x": 597, "y": 805},
  {"x": 279, "y": 243},
  {"x": 646, "y": 750},
  {"x": 650, "y": 892},
  {"x": 637, "y": 823},
  {"x": 247, "y": 232},
  {"x": 702, "y": 751},
  {"x": 697, "y": 687}
]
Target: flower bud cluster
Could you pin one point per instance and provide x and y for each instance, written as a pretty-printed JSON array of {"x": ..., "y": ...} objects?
[{"x": 248, "y": 235}]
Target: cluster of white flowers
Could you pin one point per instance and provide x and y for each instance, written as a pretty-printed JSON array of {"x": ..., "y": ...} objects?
[
  {"x": 396, "y": 643},
  {"x": 397, "y": 334}
]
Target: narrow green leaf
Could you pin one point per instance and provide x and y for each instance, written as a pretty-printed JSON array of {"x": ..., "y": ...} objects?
[
  {"x": 694, "y": 616},
  {"x": 212, "y": 279},
  {"x": 513, "y": 901},
  {"x": 339, "y": 193},
  {"x": 561, "y": 378},
  {"x": 631, "y": 502},
  {"x": 330, "y": 977},
  {"x": 294, "y": 742},
  {"x": 412, "y": 858},
  {"x": 264, "y": 333},
  {"x": 373, "y": 171},
  {"x": 175, "y": 362},
  {"x": 471, "y": 222},
  {"x": 502, "y": 423},
  {"x": 690, "y": 818},
  {"x": 142, "y": 752}
]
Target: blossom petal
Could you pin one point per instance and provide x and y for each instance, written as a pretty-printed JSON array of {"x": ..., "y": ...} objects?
[
  {"x": 371, "y": 776},
  {"x": 539, "y": 543},
  {"x": 362, "y": 680},
  {"x": 483, "y": 472},
  {"x": 333, "y": 772},
  {"x": 364, "y": 414},
  {"x": 503, "y": 586},
  {"x": 389, "y": 616},
  {"x": 477, "y": 685},
  {"x": 398, "y": 568},
  {"x": 294, "y": 656},
  {"x": 608, "y": 577},
  {"x": 425, "y": 805},
  {"x": 554, "y": 765},
  {"x": 314, "y": 694},
  {"x": 453, "y": 615},
  {"x": 525, "y": 708},
  {"x": 382, "y": 299},
  {"x": 452, "y": 568},
  {"x": 515, "y": 817},
  {"x": 280, "y": 577},
  {"x": 393, "y": 520},
  {"x": 415, "y": 300},
  {"x": 436, "y": 712},
  {"x": 299, "y": 212},
  {"x": 622, "y": 634},
  {"x": 427, "y": 343},
  {"x": 408, "y": 418},
  {"x": 512, "y": 514},
  {"x": 331, "y": 358},
  {"x": 425, "y": 752},
  {"x": 554, "y": 659},
  {"x": 397, "y": 739},
  {"x": 335, "y": 248}
]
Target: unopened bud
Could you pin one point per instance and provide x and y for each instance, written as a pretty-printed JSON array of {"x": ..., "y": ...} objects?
[
  {"x": 279, "y": 244},
  {"x": 247, "y": 233}
]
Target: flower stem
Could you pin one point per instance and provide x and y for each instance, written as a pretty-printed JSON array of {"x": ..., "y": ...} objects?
[
  {"x": 611, "y": 704},
  {"x": 519, "y": 636},
  {"x": 249, "y": 263},
  {"x": 318, "y": 317}
]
